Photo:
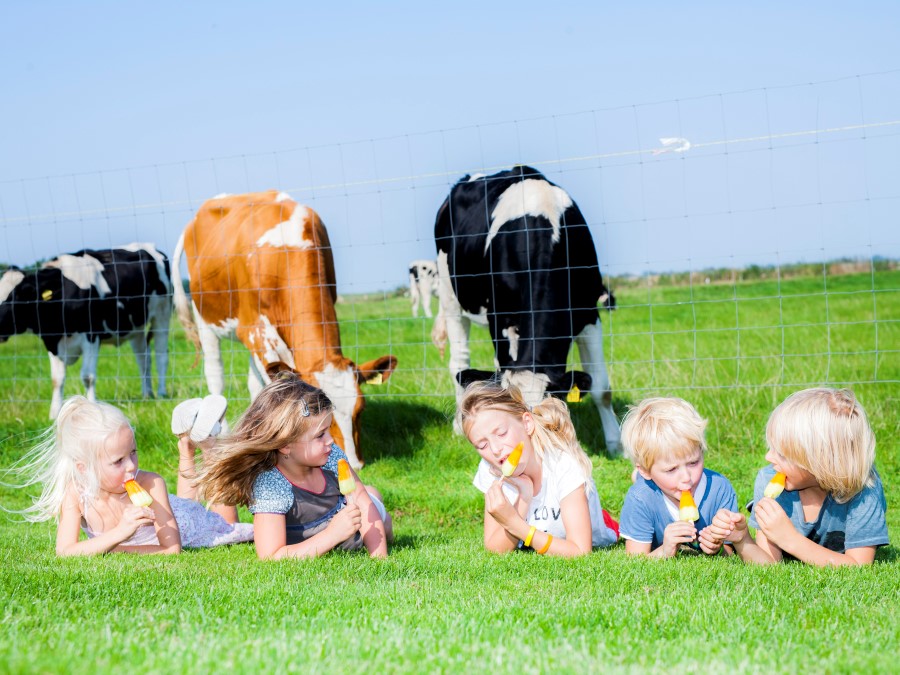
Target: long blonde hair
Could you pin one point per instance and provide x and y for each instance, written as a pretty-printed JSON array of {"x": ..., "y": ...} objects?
[
  {"x": 278, "y": 416},
  {"x": 826, "y": 432},
  {"x": 553, "y": 428},
  {"x": 67, "y": 455}
]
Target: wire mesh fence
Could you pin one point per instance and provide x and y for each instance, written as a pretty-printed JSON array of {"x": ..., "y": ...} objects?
[{"x": 750, "y": 238}]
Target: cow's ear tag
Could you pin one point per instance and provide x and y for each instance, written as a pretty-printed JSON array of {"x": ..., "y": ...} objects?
[
  {"x": 377, "y": 378},
  {"x": 574, "y": 395},
  {"x": 46, "y": 295}
]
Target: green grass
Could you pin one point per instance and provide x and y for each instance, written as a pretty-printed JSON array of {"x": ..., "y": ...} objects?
[{"x": 440, "y": 603}]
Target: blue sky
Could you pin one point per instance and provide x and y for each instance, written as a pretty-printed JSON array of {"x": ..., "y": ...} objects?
[{"x": 119, "y": 119}]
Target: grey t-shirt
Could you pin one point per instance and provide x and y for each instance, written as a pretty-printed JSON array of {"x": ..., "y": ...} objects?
[
  {"x": 853, "y": 524},
  {"x": 306, "y": 513}
]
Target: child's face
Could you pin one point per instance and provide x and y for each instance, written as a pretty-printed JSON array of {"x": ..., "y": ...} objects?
[
  {"x": 314, "y": 446},
  {"x": 673, "y": 476},
  {"x": 118, "y": 460},
  {"x": 495, "y": 434},
  {"x": 795, "y": 477}
]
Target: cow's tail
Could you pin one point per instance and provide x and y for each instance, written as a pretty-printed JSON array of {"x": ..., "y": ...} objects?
[
  {"x": 439, "y": 331},
  {"x": 182, "y": 303}
]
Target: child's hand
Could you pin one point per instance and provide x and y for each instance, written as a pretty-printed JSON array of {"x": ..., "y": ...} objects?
[
  {"x": 496, "y": 504},
  {"x": 728, "y": 525},
  {"x": 346, "y": 522},
  {"x": 710, "y": 541},
  {"x": 524, "y": 485},
  {"x": 678, "y": 532},
  {"x": 773, "y": 521},
  {"x": 134, "y": 517}
]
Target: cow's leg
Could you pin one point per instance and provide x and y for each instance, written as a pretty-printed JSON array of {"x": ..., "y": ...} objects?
[
  {"x": 455, "y": 322},
  {"x": 58, "y": 378},
  {"x": 142, "y": 356},
  {"x": 590, "y": 349},
  {"x": 67, "y": 352},
  {"x": 256, "y": 377},
  {"x": 160, "y": 311},
  {"x": 414, "y": 294},
  {"x": 426, "y": 284},
  {"x": 266, "y": 346},
  {"x": 212, "y": 356},
  {"x": 89, "y": 359}
]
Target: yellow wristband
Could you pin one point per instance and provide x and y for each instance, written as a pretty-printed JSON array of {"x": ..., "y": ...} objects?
[
  {"x": 530, "y": 536},
  {"x": 546, "y": 546}
]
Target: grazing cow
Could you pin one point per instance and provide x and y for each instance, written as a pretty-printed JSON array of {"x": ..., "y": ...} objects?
[
  {"x": 423, "y": 283},
  {"x": 514, "y": 248},
  {"x": 262, "y": 271},
  {"x": 78, "y": 300}
]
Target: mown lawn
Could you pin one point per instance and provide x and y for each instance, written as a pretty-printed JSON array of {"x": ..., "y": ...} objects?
[{"x": 440, "y": 603}]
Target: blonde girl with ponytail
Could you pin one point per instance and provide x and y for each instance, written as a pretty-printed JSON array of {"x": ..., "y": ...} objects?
[{"x": 548, "y": 501}]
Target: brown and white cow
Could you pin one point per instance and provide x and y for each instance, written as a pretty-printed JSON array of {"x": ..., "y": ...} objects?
[{"x": 262, "y": 271}]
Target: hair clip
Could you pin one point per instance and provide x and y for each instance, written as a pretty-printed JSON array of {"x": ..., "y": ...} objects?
[
  {"x": 305, "y": 408},
  {"x": 283, "y": 375}
]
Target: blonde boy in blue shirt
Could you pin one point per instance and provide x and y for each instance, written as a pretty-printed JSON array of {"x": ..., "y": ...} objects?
[{"x": 665, "y": 439}]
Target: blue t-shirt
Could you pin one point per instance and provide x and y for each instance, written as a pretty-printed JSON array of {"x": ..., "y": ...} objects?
[
  {"x": 647, "y": 511},
  {"x": 853, "y": 524}
]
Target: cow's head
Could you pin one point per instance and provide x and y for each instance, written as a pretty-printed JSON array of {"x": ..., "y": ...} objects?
[
  {"x": 607, "y": 300},
  {"x": 342, "y": 382},
  {"x": 568, "y": 384},
  {"x": 9, "y": 301}
]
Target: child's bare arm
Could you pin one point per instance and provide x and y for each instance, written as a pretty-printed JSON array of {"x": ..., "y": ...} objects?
[
  {"x": 68, "y": 532},
  {"x": 270, "y": 535},
  {"x": 372, "y": 526},
  {"x": 163, "y": 519},
  {"x": 576, "y": 516},
  {"x": 733, "y": 526},
  {"x": 504, "y": 525},
  {"x": 814, "y": 554},
  {"x": 777, "y": 530}
]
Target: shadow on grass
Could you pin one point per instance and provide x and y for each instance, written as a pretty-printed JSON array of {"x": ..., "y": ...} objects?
[
  {"x": 396, "y": 429},
  {"x": 406, "y": 541},
  {"x": 887, "y": 554},
  {"x": 587, "y": 422}
]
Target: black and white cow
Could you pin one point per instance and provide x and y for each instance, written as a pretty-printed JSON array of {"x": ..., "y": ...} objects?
[
  {"x": 514, "y": 248},
  {"x": 77, "y": 300},
  {"x": 423, "y": 283}
]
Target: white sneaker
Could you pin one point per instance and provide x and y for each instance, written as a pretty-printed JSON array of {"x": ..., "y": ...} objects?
[
  {"x": 209, "y": 418},
  {"x": 184, "y": 415}
]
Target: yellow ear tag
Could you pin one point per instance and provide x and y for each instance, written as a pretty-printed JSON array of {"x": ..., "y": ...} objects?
[
  {"x": 574, "y": 395},
  {"x": 46, "y": 295},
  {"x": 377, "y": 378}
]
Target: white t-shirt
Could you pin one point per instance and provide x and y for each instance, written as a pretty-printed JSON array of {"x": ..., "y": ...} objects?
[{"x": 561, "y": 475}]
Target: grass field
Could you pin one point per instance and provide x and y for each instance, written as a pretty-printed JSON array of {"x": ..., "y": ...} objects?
[{"x": 439, "y": 603}]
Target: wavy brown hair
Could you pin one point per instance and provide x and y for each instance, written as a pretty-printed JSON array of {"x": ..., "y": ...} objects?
[{"x": 279, "y": 415}]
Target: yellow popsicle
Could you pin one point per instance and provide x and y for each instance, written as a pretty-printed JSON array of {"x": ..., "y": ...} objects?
[
  {"x": 138, "y": 495},
  {"x": 687, "y": 510},
  {"x": 346, "y": 484},
  {"x": 775, "y": 486},
  {"x": 509, "y": 466}
]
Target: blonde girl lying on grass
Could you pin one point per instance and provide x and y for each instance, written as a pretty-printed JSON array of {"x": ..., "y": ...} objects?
[
  {"x": 82, "y": 463},
  {"x": 553, "y": 506}
]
